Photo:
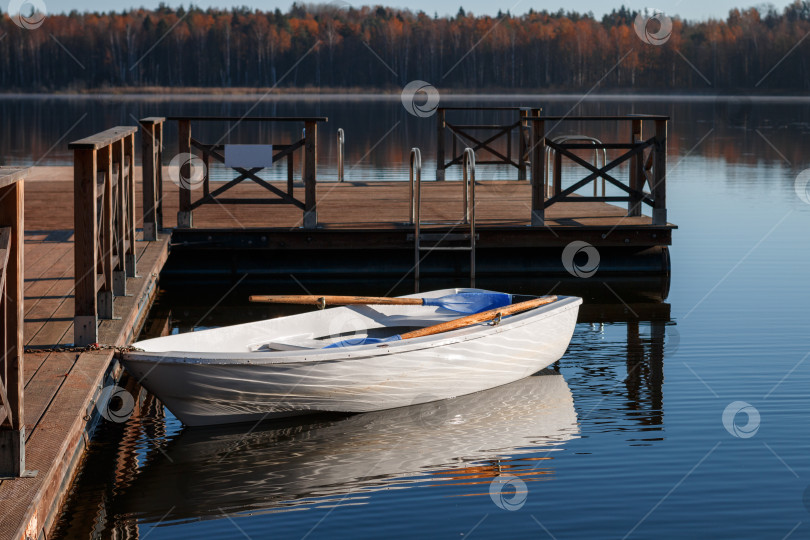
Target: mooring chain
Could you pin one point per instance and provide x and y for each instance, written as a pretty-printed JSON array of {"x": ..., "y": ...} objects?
[{"x": 87, "y": 348}]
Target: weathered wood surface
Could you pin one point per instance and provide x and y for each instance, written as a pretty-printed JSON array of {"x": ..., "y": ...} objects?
[
  {"x": 105, "y": 138},
  {"x": 346, "y": 205}
]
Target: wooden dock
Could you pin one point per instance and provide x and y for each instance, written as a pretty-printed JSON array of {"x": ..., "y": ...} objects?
[
  {"x": 98, "y": 235},
  {"x": 62, "y": 388}
]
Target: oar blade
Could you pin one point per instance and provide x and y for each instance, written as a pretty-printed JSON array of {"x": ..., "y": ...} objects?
[
  {"x": 354, "y": 342},
  {"x": 470, "y": 302}
]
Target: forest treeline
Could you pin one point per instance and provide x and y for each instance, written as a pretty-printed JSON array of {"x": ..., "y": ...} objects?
[{"x": 338, "y": 46}]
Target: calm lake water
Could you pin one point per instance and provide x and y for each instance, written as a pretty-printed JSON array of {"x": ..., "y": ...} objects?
[{"x": 677, "y": 417}]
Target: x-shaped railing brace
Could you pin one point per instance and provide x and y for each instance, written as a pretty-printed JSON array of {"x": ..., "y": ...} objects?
[{"x": 596, "y": 173}]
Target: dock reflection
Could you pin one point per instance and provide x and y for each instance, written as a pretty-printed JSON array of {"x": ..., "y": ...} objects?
[{"x": 465, "y": 441}]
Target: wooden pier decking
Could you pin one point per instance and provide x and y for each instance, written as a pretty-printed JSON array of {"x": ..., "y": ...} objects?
[{"x": 365, "y": 206}]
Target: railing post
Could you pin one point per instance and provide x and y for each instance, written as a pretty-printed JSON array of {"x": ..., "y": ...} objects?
[
  {"x": 659, "y": 187},
  {"x": 636, "y": 171},
  {"x": 341, "y": 141},
  {"x": 290, "y": 174},
  {"x": 310, "y": 174},
  {"x": 184, "y": 214},
  {"x": 557, "y": 177},
  {"x": 440, "y": 144},
  {"x": 538, "y": 152},
  {"x": 119, "y": 220},
  {"x": 152, "y": 146},
  {"x": 128, "y": 166},
  {"x": 523, "y": 129},
  {"x": 106, "y": 294},
  {"x": 12, "y": 376},
  {"x": 85, "y": 248}
]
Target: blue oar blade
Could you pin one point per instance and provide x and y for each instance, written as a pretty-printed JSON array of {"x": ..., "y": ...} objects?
[
  {"x": 354, "y": 342},
  {"x": 471, "y": 302}
]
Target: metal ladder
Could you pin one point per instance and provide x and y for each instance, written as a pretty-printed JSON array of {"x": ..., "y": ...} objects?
[{"x": 468, "y": 188}]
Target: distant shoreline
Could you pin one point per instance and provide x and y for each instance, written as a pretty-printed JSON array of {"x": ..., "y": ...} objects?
[{"x": 315, "y": 94}]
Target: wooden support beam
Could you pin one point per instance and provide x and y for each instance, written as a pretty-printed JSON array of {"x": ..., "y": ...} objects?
[
  {"x": 636, "y": 170},
  {"x": 440, "y": 117},
  {"x": 659, "y": 186},
  {"x": 184, "y": 214},
  {"x": 12, "y": 440},
  {"x": 538, "y": 153},
  {"x": 85, "y": 252},
  {"x": 523, "y": 130},
  {"x": 310, "y": 175}
]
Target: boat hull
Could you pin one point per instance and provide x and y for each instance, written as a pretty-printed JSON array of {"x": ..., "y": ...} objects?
[{"x": 205, "y": 393}]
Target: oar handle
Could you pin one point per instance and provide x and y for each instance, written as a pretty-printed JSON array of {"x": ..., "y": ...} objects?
[
  {"x": 324, "y": 300},
  {"x": 479, "y": 317}
]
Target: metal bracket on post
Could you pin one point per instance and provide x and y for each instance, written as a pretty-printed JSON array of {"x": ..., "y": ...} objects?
[
  {"x": 119, "y": 287},
  {"x": 85, "y": 330},
  {"x": 105, "y": 305},
  {"x": 184, "y": 220}
]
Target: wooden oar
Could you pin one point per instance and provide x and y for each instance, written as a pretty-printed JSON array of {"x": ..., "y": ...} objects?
[
  {"x": 462, "y": 302},
  {"x": 450, "y": 325},
  {"x": 479, "y": 317},
  {"x": 320, "y": 300}
]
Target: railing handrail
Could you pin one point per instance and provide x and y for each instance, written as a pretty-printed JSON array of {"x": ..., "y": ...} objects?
[
  {"x": 515, "y": 108},
  {"x": 597, "y": 145},
  {"x": 104, "y": 138},
  {"x": 250, "y": 118},
  {"x": 341, "y": 141},
  {"x": 591, "y": 118},
  {"x": 416, "y": 186}
]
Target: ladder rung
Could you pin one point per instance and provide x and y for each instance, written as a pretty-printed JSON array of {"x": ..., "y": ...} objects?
[
  {"x": 447, "y": 222},
  {"x": 438, "y": 237},
  {"x": 445, "y": 248}
]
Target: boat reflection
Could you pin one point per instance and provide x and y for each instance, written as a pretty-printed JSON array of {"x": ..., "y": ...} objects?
[{"x": 469, "y": 440}]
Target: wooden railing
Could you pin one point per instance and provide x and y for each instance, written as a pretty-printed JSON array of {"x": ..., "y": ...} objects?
[
  {"x": 152, "y": 148},
  {"x": 647, "y": 157},
  {"x": 12, "y": 379},
  {"x": 493, "y": 132},
  {"x": 104, "y": 225},
  {"x": 217, "y": 152}
]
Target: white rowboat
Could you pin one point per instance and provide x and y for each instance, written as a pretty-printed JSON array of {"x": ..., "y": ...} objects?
[{"x": 279, "y": 367}]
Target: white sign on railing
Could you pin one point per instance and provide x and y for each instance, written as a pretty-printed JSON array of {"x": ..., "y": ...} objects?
[{"x": 248, "y": 156}]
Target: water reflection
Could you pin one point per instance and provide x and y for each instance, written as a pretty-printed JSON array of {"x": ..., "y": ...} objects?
[{"x": 466, "y": 441}]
